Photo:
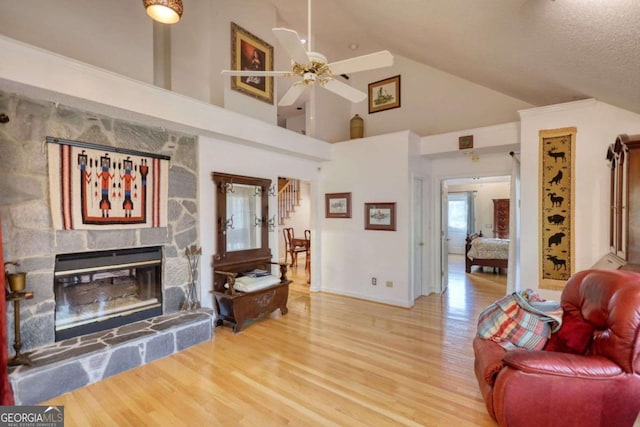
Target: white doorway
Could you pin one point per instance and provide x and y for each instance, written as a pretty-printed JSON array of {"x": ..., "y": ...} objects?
[
  {"x": 483, "y": 190},
  {"x": 294, "y": 211}
]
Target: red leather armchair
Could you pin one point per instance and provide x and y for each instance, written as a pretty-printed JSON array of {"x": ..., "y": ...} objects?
[{"x": 547, "y": 388}]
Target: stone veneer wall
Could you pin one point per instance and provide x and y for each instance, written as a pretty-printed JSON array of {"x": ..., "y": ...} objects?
[{"x": 24, "y": 203}]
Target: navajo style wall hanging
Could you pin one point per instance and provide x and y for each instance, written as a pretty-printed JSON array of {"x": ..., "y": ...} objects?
[
  {"x": 100, "y": 187},
  {"x": 557, "y": 153}
]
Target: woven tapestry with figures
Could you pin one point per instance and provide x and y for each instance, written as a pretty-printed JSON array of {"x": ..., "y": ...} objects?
[
  {"x": 97, "y": 187},
  {"x": 557, "y": 153}
]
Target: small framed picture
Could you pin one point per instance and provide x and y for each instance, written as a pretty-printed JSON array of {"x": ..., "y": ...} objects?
[
  {"x": 380, "y": 216},
  {"x": 384, "y": 94},
  {"x": 465, "y": 142},
  {"x": 337, "y": 205}
]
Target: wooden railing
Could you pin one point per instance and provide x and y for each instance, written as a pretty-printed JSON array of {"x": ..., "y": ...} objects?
[{"x": 288, "y": 199}]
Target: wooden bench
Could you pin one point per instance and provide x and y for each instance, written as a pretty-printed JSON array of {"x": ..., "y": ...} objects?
[{"x": 235, "y": 306}]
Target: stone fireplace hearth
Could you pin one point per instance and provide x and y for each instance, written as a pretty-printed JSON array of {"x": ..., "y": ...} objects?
[{"x": 73, "y": 363}]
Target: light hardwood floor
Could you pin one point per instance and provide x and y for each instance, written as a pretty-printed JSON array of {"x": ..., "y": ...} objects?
[{"x": 331, "y": 361}]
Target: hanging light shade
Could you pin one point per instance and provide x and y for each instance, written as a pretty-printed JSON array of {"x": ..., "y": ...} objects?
[{"x": 165, "y": 11}]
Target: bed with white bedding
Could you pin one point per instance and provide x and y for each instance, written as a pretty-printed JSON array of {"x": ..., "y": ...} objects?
[{"x": 486, "y": 252}]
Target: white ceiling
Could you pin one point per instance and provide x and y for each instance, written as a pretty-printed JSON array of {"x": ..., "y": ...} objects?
[{"x": 539, "y": 51}]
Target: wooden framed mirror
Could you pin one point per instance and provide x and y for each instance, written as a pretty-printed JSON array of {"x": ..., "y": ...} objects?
[
  {"x": 242, "y": 207},
  {"x": 243, "y": 252}
]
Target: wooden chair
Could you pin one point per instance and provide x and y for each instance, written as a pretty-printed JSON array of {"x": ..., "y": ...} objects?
[{"x": 292, "y": 245}]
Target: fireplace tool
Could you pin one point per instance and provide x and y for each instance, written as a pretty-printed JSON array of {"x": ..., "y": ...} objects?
[{"x": 191, "y": 301}]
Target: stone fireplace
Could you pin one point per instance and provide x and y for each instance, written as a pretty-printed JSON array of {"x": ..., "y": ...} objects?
[
  {"x": 28, "y": 232},
  {"x": 101, "y": 290}
]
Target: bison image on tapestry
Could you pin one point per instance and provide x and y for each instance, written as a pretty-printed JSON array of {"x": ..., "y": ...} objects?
[
  {"x": 100, "y": 187},
  {"x": 556, "y": 204}
]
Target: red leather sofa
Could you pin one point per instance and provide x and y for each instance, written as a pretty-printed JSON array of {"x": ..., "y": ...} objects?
[{"x": 596, "y": 387}]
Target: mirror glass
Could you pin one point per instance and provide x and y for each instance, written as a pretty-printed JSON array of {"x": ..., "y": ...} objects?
[{"x": 244, "y": 204}]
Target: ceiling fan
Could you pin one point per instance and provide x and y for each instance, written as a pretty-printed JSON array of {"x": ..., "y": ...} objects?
[{"x": 313, "y": 68}]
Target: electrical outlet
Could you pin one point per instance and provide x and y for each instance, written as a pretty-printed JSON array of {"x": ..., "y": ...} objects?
[
  {"x": 374, "y": 281},
  {"x": 389, "y": 284}
]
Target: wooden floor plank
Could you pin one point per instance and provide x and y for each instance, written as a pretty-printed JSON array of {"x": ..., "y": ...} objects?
[{"x": 331, "y": 361}]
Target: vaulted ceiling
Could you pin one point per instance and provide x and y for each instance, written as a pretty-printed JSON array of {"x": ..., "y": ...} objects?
[{"x": 539, "y": 51}]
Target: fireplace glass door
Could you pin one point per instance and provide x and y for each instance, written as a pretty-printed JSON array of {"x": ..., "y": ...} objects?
[{"x": 106, "y": 289}]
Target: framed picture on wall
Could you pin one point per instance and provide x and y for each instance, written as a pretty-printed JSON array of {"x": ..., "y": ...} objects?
[
  {"x": 465, "y": 142},
  {"x": 337, "y": 205},
  {"x": 380, "y": 216},
  {"x": 249, "y": 52},
  {"x": 384, "y": 94}
]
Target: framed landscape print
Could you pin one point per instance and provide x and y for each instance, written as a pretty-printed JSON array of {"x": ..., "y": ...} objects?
[
  {"x": 384, "y": 94},
  {"x": 249, "y": 52},
  {"x": 380, "y": 216},
  {"x": 337, "y": 205}
]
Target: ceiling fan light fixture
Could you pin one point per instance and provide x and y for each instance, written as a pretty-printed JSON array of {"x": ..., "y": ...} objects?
[{"x": 165, "y": 11}]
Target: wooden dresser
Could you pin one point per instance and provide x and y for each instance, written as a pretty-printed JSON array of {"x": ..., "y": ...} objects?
[{"x": 501, "y": 218}]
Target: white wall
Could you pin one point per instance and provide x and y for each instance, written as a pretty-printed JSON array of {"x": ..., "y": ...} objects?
[
  {"x": 331, "y": 116},
  {"x": 433, "y": 102},
  {"x": 193, "y": 53},
  {"x": 373, "y": 170},
  {"x": 296, "y": 124},
  {"x": 597, "y": 125},
  {"x": 218, "y": 155},
  {"x": 488, "y": 139},
  {"x": 108, "y": 34}
]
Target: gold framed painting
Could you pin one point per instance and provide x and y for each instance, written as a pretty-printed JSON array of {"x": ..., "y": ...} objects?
[
  {"x": 251, "y": 53},
  {"x": 384, "y": 94}
]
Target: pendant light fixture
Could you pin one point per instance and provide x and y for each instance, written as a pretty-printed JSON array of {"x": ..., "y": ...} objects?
[{"x": 165, "y": 11}]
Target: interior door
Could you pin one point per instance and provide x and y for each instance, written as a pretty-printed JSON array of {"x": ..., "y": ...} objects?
[
  {"x": 418, "y": 237},
  {"x": 444, "y": 237}
]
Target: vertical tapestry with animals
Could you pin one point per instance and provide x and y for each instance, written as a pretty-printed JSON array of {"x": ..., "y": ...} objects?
[
  {"x": 556, "y": 203},
  {"x": 97, "y": 187}
]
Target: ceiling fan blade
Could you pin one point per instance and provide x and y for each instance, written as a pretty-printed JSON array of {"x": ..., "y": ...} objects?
[
  {"x": 362, "y": 63},
  {"x": 257, "y": 73},
  {"x": 344, "y": 90},
  {"x": 292, "y": 95},
  {"x": 290, "y": 41}
]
